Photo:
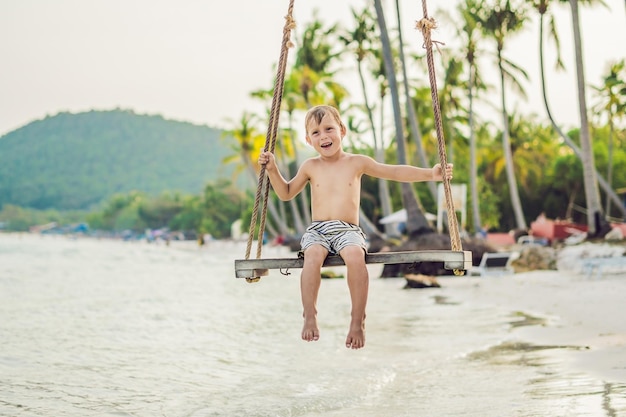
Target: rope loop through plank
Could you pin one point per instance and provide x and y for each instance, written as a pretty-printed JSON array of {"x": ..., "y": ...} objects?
[
  {"x": 263, "y": 186},
  {"x": 426, "y": 25}
]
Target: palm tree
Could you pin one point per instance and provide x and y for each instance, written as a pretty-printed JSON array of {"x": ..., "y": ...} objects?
[
  {"x": 416, "y": 134},
  {"x": 416, "y": 221},
  {"x": 612, "y": 103},
  {"x": 499, "y": 21},
  {"x": 450, "y": 101},
  {"x": 315, "y": 51},
  {"x": 287, "y": 152},
  {"x": 595, "y": 219},
  {"x": 380, "y": 76},
  {"x": 468, "y": 32},
  {"x": 314, "y": 59},
  {"x": 361, "y": 41},
  {"x": 293, "y": 101},
  {"x": 247, "y": 142},
  {"x": 543, "y": 7},
  {"x": 532, "y": 145}
]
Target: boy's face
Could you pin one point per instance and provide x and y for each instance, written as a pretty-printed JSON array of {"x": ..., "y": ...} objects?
[{"x": 326, "y": 136}]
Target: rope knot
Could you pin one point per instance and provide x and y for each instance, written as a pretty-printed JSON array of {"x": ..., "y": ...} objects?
[
  {"x": 290, "y": 25},
  {"x": 426, "y": 24}
]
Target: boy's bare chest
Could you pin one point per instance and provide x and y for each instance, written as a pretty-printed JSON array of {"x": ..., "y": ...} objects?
[{"x": 335, "y": 180}]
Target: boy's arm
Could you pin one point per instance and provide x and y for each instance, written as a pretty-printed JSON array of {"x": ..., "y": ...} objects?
[
  {"x": 404, "y": 173},
  {"x": 285, "y": 190}
]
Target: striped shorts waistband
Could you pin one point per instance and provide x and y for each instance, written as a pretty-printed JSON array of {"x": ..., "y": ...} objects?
[{"x": 327, "y": 227}]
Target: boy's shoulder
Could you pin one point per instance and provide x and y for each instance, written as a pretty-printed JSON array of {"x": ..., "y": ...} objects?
[{"x": 358, "y": 158}]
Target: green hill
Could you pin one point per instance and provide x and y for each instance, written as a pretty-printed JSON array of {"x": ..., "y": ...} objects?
[{"x": 75, "y": 161}]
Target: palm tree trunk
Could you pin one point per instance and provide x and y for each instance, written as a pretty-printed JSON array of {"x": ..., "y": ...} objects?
[
  {"x": 508, "y": 155},
  {"x": 608, "y": 189},
  {"x": 416, "y": 134},
  {"x": 592, "y": 193},
  {"x": 383, "y": 187},
  {"x": 304, "y": 197},
  {"x": 609, "y": 170},
  {"x": 278, "y": 220},
  {"x": 473, "y": 161},
  {"x": 297, "y": 218},
  {"x": 368, "y": 227},
  {"x": 416, "y": 221}
]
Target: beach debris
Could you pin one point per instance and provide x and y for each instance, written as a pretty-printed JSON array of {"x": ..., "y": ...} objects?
[
  {"x": 442, "y": 300},
  {"x": 578, "y": 258},
  {"x": 421, "y": 281},
  {"x": 330, "y": 274},
  {"x": 535, "y": 257},
  {"x": 518, "y": 353},
  {"x": 521, "y": 319},
  {"x": 616, "y": 234}
]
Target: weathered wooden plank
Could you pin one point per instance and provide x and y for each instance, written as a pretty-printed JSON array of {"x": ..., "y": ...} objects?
[{"x": 459, "y": 260}]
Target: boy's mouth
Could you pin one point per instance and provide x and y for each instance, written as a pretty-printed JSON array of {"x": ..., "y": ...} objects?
[{"x": 327, "y": 145}]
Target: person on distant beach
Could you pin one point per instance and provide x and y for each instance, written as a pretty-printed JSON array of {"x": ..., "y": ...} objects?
[{"x": 335, "y": 179}]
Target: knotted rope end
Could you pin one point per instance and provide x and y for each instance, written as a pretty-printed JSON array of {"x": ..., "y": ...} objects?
[
  {"x": 426, "y": 23},
  {"x": 290, "y": 25}
]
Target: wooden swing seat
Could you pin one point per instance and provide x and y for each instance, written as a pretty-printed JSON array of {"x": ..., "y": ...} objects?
[{"x": 453, "y": 260}]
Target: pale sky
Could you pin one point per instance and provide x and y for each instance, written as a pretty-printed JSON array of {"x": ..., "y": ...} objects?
[{"x": 198, "y": 60}]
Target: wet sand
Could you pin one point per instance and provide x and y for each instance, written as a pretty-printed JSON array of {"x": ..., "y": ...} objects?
[{"x": 583, "y": 316}]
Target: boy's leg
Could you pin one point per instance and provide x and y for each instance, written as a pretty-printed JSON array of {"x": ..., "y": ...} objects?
[
  {"x": 310, "y": 282},
  {"x": 358, "y": 283}
]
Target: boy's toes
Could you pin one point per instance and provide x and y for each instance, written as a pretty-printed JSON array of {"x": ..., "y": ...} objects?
[{"x": 310, "y": 335}]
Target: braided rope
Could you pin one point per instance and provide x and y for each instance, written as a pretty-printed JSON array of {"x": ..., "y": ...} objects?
[
  {"x": 426, "y": 24},
  {"x": 263, "y": 186}
]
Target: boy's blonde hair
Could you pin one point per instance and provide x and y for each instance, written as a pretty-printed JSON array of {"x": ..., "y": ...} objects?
[{"x": 317, "y": 113}]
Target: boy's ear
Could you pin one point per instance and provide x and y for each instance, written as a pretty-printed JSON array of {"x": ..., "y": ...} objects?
[
  {"x": 343, "y": 130},
  {"x": 308, "y": 139}
]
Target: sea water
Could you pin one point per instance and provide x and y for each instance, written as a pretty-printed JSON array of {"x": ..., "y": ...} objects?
[{"x": 110, "y": 328}]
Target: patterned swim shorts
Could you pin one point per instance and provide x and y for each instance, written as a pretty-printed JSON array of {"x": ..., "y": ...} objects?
[{"x": 334, "y": 235}]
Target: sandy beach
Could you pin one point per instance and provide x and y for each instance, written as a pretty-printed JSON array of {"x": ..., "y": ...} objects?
[{"x": 582, "y": 314}]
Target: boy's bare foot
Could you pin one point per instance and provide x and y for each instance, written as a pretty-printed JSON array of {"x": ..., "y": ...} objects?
[
  {"x": 356, "y": 335},
  {"x": 310, "y": 332}
]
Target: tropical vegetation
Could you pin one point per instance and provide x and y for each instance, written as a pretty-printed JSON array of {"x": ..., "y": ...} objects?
[{"x": 518, "y": 166}]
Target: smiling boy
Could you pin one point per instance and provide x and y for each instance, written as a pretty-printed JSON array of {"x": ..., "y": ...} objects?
[{"x": 335, "y": 179}]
